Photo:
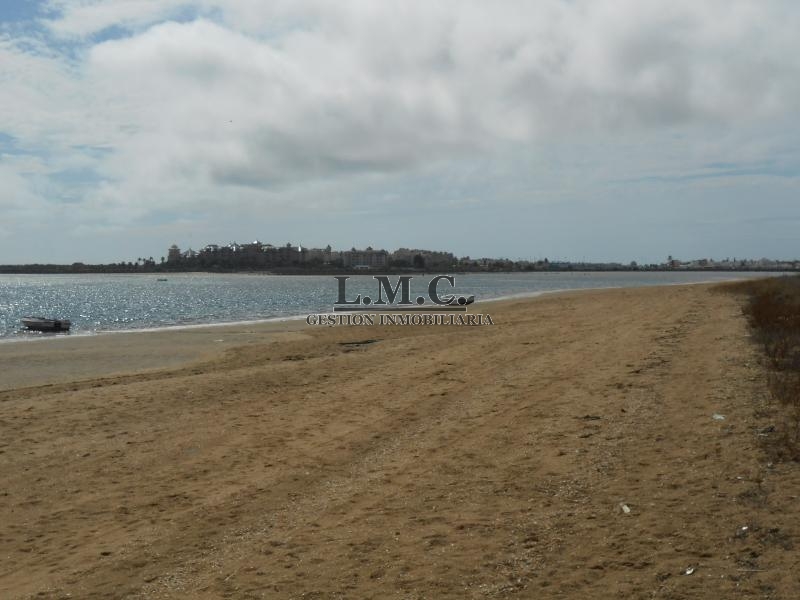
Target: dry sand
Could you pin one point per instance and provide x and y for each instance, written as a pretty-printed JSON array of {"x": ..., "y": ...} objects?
[{"x": 294, "y": 462}]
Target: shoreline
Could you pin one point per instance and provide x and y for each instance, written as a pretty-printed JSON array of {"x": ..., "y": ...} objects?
[
  {"x": 81, "y": 357},
  {"x": 61, "y": 359},
  {"x": 124, "y": 352},
  {"x": 102, "y": 333},
  {"x": 522, "y": 295}
]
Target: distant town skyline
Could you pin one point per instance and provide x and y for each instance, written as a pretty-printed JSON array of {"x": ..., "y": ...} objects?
[
  {"x": 604, "y": 131},
  {"x": 289, "y": 258},
  {"x": 444, "y": 256}
]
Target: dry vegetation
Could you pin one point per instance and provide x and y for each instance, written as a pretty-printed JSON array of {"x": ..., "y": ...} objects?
[{"x": 773, "y": 310}]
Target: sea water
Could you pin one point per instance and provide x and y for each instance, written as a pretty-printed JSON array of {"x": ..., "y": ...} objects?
[{"x": 102, "y": 302}]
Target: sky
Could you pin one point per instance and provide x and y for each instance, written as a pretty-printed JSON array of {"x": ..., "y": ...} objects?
[{"x": 570, "y": 129}]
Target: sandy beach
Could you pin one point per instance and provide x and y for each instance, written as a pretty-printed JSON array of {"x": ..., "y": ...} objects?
[{"x": 568, "y": 451}]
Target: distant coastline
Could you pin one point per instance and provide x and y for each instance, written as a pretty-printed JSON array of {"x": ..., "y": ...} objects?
[
  {"x": 290, "y": 259},
  {"x": 81, "y": 268}
]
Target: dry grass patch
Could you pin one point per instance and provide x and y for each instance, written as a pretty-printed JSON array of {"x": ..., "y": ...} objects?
[{"x": 772, "y": 308}]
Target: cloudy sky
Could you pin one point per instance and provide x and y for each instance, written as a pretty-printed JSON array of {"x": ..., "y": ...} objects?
[{"x": 605, "y": 130}]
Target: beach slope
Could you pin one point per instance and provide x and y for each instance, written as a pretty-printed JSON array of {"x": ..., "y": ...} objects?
[{"x": 570, "y": 450}]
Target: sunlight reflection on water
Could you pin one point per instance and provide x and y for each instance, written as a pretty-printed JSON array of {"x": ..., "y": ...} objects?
[{"x": 99, "y": 302}]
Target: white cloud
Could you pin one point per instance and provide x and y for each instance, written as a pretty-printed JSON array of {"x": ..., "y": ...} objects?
[
  {"x": 243, "y": 99},
  {"x": 387, "y": 86}
]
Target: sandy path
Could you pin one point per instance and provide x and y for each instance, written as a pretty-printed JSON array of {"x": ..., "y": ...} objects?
[{"x": 431, "y": 463}]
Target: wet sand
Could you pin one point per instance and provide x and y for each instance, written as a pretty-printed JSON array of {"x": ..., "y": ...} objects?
[
  {"x": 63, "y": 358},
  {"x": 412, "y": 462}
]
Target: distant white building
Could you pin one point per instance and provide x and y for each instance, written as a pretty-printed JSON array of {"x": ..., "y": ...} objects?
[
  {"x": 324, "y": 255},
  {"x": 368, "y": 258}
]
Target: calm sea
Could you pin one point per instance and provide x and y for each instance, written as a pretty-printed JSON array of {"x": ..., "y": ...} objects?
[{"x": 98, "y": 303}]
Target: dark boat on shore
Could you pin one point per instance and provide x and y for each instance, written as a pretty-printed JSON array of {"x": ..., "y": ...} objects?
[{"x": 43, "y": 324}]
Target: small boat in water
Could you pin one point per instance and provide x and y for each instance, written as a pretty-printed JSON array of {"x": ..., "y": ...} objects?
[
  {"x": 43, "y": 324},
  {"x": 460, "y": 300}
]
